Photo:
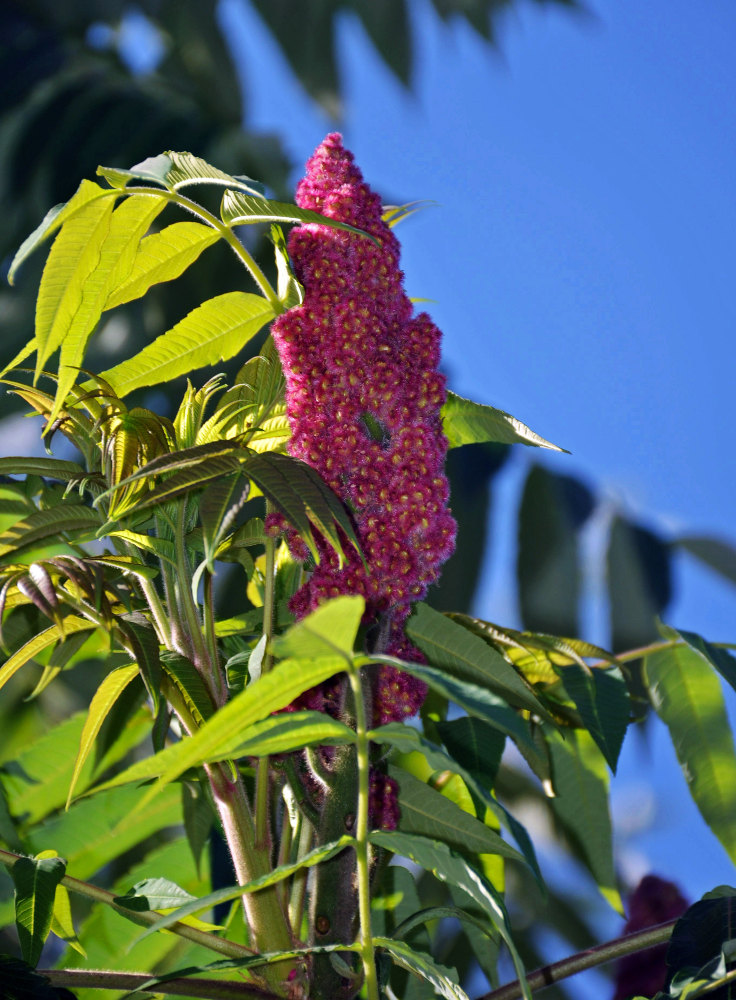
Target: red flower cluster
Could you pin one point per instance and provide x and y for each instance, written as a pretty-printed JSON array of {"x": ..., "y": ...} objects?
[{"x": 363, "y": 398}]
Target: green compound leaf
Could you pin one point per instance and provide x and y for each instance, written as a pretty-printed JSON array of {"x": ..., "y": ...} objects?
[
  {"x": 449, "y": 867},
  {"x": 466, "y": 422},
  {"x": 239, "y": 209},
  {"x": 581, "y": 804},
  {"x": 35, "y": 888},
  {"x": 52, "y": 468},
  {"x": 162, "y": 256},
  {"x": 194, "y": 906},
  {"x": 687, "y": 696},
  {"x": 105, "y": 697},
  {"x": 423, "y": 966},
  {"x": 215, "y": 331},
  {"x": 175, "y": 170}
]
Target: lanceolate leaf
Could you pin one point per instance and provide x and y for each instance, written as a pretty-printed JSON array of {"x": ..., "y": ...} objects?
[
  {"x": 39, "y": 642},
  {"x": 407, "y": 739},
  {"x": 303, "y": 496},
  {"x": 213, "y": 332},
  {"x": 50, "y": 523},
  {"x": 466, "y": 422},
  {"x": 174, "y": 170},
  {"x": 687, "y": 696},
  {"x": 422, "y": 965},
  {"x": 448, "y": 644},
  {"x": 427, "y": 812},
  {"x": 271, "y": 693},
  {"x": 162, "y": 256},
  {"x": 721, "y": 659},
  {"x": 35, "y": 887},
  {"x": 329, "y": 629},
  {"x": 714, "y": 552},
  {"x": 581, "y": 804},
  {"x": 239, "y": 209},
  {"x": 86, "y": 192},
  {"x": 602, "y": 699},
  {"x": 128, "y": 224},
  {"x": 105, "y": 697},
  {"x": 72, "y": 259},
  {"x": 205, "y": 473},
  {"x": 190, "y": 685},
  {"x": 52, "y": 468},
  {"x": 448, "y": 866}
]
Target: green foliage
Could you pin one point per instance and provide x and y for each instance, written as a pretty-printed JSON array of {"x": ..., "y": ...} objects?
[{"x": 112, "y": 573}]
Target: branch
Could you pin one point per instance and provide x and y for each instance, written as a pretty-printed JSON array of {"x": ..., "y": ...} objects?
[
  {"x": 650, "y": 937},
  {"x": 204, "y": 989}
]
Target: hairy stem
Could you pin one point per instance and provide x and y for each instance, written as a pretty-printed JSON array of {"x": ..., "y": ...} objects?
[
  {"x": 361, "y": 836},
  {"x": 263, "y": 783},
  {"x": 588, "y": 959}
]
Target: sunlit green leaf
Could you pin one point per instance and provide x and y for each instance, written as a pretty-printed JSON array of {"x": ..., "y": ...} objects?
[
  {"x": 448, "y": 866},
  {"x": 422, "y": 965},
  {"x": 50, "y": 523},
  {"x": 466, "y": 422},
  {"x": 38, "y": 643},
  {"x": 35, "y": 883},
  {"x": 52, "y": 468},
  {"x": 581, "y": 804},
  {"x": 62, "y": 924},
  {"x": 687, "y": 696},
  {"x": 213, "y": 332},
  {"x": 162, "y": 256},
  {"x": 723, "y": 661},
  {"x": 105, "y": 697},
  {"x": 331, "y": 628}
]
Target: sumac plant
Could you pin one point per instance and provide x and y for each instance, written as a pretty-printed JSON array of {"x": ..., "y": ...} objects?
[{"x": 331, "y": 736}]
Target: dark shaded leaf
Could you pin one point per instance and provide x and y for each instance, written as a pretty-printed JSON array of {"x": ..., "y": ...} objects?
[
  {"x": 35, "y": 884},
  {"x": 639, "y": 584}
]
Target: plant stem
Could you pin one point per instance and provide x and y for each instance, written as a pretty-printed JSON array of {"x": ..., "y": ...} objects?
[
  {"x": 218, "y": 681},
  {"x": 146, "y": 917},
  {"x": 589, "y": 959},
  {"x": 205, "y": 989},
  {"x": 361, "y": 836},
  {"x": 263, "y": 770},
  {"x": 226, "y": 234}
]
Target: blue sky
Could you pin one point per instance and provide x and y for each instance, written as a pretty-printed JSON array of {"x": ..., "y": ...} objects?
[{"x": 589, "y": 169}]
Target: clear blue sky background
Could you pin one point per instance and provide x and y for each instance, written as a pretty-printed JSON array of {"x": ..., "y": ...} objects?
[{"x": 589, "y": 169}]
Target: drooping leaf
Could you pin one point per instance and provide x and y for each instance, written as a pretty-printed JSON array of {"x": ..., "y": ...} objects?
[
  {"x": 184, "y": 481},
  {"x": 218, "y": 508},
  {"x": 191, "y": 686},
  {"x": 553, "y": 510},
  {"x": 422, "y": 965},
  {"x": 35, "y": 882},
  {"x": 314, "y": 857},
  {"x": 408, "y": 740},
  {"x": 466, "y": 422},
  {"x": 639, "y": 583},
  {"x": 162, "y": 256},
  {"x": 581, "y": 804},
  {"x": 723, "y": 661},
  {"x": 475, "y": 745},
  {"x": 154, "y": 894},
  {"x": 448, "y": 866},
  {"x": 687, "y": 696},
  {"x": 52, "y": 468},
  {"x": 427, "y": 812},
  {"x": 38, "y": 643},
  {"x": 330, "y": 629},
  {"x": 602, "y": 699},
  {"x": 214, "y": 331},
  {"x": 49, "y": 523},
  {"x": 714, "y": 552},
  {"x": 240, "y": 209},
  {"x": 449, "y": 645},
  {"x": 104, "y": 698},
  {"x": 62, "y": 924},
  {"x": 302, "y": 496}
]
